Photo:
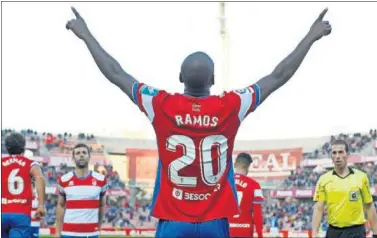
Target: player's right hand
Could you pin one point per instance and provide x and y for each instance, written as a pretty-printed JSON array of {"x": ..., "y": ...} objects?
[
  {"x": 40, "y": 212},
  {"x": 78, "y": 25},
  {"x": 320, "y": 27}
]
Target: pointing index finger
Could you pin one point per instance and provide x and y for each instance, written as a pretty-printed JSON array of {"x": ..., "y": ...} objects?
[
  {"x": 77, "y": 14},
  {"x": 323, "y": 13}
]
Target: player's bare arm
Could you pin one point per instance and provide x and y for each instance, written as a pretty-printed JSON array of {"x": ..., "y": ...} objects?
[
  {"x": 317, "y": 217},
  {"x": 40, "y": 184},
  {"x": 102, "y": 210},
  {"x": 372, "y": 216},
  {"x": 109, "y": 67},
  {"x": 287, "y": 68},
  {"x": 59, "y": 215}
]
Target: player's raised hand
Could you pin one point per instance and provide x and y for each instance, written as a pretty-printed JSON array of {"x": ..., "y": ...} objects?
[
  {"x": 78, "y": 25},
  {"x": 320, "y": 27},
  {"x": 40, "y": 212}
]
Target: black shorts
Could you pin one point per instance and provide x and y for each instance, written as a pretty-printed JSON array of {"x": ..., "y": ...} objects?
[{"x": 357, "y": 231}]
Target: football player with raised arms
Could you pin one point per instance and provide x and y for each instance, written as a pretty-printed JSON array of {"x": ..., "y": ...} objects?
[{"x": 195, "y": 193}]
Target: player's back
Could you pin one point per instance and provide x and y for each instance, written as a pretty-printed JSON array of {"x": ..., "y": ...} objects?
[
  {"x": 248, "y": 193},
  {"x": 16, "y": 196},
  {"x": 195, "y": 138},
  {"x": 16, "y": 189}
]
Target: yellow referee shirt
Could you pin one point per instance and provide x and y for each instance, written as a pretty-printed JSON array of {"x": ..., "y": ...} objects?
[{"x": 344, "y": 197}]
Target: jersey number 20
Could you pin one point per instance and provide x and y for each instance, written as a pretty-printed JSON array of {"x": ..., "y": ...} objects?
[
  {"x": 205, "y": 157},
  {"x": 15, "y": 183}
]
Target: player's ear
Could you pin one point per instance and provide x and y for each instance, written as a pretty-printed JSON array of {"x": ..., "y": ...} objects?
[
  {"x": 180, "y": 78},
  {"x": 213, "y": 79}
]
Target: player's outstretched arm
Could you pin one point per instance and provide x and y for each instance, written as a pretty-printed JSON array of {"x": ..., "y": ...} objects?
[
  {"x": 287, "y": 68},
  {"x": 40, "y": 184},
  {"x": 110, "y": 68}
]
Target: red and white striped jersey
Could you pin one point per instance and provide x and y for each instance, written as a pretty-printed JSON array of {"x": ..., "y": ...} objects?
[
  {"x": 81, "y": 217},
  {"x": 34, "y": 221}
]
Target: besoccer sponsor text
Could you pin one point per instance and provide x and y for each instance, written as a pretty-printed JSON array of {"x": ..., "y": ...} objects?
[
  {"x": 181, "y": 195},
  {"x": 10, "y": 201},
  {"x": 239, "y": 225}
]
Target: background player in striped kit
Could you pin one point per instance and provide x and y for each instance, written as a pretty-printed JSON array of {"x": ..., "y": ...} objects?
[{"x": 81, "y": 204}]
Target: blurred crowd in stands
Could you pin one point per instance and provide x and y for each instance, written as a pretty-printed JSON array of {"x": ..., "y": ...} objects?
[
  {"x": 357, "y": 143},
  {"x": 289, "y": 213},
  {"x": 306, "y": 177},
  {"x": 52, "y": 174},
  {"x": 44, "y": 143}
]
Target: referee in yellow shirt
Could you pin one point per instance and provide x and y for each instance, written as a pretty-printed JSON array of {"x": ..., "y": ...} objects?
[{"x": 345, "y": 191}]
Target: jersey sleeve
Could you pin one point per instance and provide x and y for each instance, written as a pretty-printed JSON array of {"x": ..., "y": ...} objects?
[
  {"x": 246, "y": 100},
  {"x": 146, "y": 98},
  {"x": 365, "y": 190},
  {"x": 258, "y": 195},
  {"x": 104, "y": 188},
  {"x": 320, "y": 193},
  {"x": 34, "y": 163},
  {"x": 60, "y": 187}
]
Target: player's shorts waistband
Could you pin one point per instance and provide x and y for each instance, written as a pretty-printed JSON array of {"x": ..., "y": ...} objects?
[{"x": 346, "y": 227}]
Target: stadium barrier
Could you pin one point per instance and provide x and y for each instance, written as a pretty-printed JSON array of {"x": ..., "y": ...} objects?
[{"x": 144, "y": 232}]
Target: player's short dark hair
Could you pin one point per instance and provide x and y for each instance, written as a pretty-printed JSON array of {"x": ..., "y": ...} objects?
[
  {"x": 15, "y": 144},
  {"x": 80, "y": 145},
  {"x": 244, "y": 159},
  {"x": 341, "y": 142}
]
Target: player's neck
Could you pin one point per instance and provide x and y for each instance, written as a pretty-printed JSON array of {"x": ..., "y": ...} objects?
[
  {"x": 342, "y": 171},
  {"x": 240, "y": 171},
  {"x": 82, "y": 172},
  {"x": 197, "y": 93}
]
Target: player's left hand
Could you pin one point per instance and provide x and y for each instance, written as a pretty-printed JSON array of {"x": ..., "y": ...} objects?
[
  {"x": 78, "y": 25},
  {"x": 320, "y": 27},
  {"x": 40, "y": 212}
]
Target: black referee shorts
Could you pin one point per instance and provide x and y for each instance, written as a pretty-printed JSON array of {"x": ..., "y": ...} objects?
[{"x": 357, "y": 231}]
